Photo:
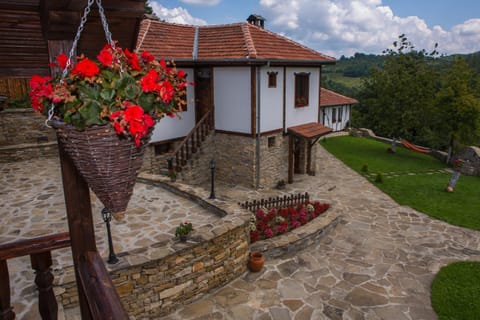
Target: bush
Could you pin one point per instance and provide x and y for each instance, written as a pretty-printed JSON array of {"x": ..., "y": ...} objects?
[
  {"x": 365, "y": 168},
  {"x": 379, "y": 178}
]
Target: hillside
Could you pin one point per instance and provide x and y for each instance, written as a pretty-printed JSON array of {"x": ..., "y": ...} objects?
[{"x": 346, "y": 76}]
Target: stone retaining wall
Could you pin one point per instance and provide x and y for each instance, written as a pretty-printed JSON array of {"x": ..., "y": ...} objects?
[
  {"x": 156, "y": 288},
  {"x": 154, "y": 281},
  {"x": 20, "y": 126},
  {"x": 471, "y": 157},
  {"x": 362, "y": 132}
]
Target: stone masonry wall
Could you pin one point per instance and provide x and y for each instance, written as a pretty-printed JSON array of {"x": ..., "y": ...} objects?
[
  {"x": 274, "y": 160},
  {"x": 156, "y": 288},
  {"x": 23, "y": 136},
  {"x": 471, "y": 157},
  {"x": 197, "y": 171},
  {"x": 19, "y": 126},
  {"x": 235, "y": 158}
]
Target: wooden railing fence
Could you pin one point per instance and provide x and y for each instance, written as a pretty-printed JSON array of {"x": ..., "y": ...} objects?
[
  {"x": 14, "y": 88},
  {"x": 277, "y": 202},
  {"x": 39, "y": 249},
  {"x": 191, "y": 143}
]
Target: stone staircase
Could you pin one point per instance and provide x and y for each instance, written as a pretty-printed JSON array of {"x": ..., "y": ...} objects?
[{"x": 190, "y": 160}]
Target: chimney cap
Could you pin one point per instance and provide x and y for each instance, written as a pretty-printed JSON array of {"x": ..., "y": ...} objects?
[{"x": 257, "y": 20}]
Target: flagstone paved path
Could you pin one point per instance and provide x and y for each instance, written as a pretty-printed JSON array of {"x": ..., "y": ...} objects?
[{"x": 378, "y": 263}]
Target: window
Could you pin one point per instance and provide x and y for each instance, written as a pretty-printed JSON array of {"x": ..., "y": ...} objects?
[
  {"x": 272, "y": 79},
  {"x": 163, "y": 148},
  {"x": 302, "y": 81},
  {"x": 271, "y": 142},
  {"x": 334, "y": 115},
  {"x": 340, "y": 111}
]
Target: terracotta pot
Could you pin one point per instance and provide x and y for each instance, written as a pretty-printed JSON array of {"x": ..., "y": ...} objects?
[
  {"x": 256, "y": 261},
  {"x": 183, "y": 238}
]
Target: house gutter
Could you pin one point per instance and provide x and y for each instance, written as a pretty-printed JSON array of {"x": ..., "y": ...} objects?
[{"x": 258, "y": 128}]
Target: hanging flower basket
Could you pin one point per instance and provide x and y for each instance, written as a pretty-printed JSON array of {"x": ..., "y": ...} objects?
[
  {"x": 108, "y": 164},
  {"x": 104, "y": 111}
]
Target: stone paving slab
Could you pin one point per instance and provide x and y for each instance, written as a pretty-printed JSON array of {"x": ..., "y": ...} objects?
[
  {"x": 33, "y": 205},
  {"x": 378, "y": 263}
]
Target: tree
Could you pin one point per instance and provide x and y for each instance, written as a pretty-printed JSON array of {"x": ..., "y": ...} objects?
[
  {"x": 396, "y": 99},
  {"x": 148, "y": 8},
  {"x": 457, "y": 108}
]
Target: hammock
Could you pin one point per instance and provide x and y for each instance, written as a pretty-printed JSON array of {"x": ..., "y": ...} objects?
[{"x": 413, "y": 147}]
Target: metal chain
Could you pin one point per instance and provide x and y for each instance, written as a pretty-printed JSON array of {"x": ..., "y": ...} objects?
[
  {"x": 83, "y": 21},
  {"x": 108, "y": 34}
]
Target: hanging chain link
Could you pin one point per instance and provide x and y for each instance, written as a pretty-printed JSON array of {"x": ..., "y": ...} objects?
[{"x": 83, "y": 21}]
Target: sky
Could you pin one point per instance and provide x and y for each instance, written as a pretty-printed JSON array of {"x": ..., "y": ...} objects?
[{"x": 344, "y": 27}]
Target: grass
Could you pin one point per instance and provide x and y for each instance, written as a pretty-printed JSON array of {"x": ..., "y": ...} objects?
[
  {"x": 424, "y": 191},
  {"x": 456, "y": 291}
]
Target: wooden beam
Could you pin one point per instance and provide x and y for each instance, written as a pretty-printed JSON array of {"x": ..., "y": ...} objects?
[{"x": 291, "y": 141}]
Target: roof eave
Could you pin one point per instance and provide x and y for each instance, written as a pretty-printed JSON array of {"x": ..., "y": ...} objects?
[{"x": 263, "y": 61}]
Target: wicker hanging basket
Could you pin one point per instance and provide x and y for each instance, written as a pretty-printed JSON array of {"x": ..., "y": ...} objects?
[{"x": 108, "y": 163}]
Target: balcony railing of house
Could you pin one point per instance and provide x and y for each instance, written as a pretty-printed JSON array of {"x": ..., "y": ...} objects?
[
  {"x": 39, "y": 249},
  {"x": 192, "y": 142}
]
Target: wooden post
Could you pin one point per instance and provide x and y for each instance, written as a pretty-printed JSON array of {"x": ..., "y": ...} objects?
[
  {"x": 80, "y": 223},
  {"x": 290, "y": 157},
  {"x": 6, "y": 310},
  {"x": 47, "y": 304}
]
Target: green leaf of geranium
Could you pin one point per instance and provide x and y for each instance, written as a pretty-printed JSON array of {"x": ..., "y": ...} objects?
[
  {"x": 107, "y": 94},
  {"x": 146, "y": 101},
  {"x": 89, "y": 112},
  {"x": 88, "y": 92},
  {"x": 124, "y": 81},
  {"x": 107, "y": 74},
  {"x": 131, "y": 91}
]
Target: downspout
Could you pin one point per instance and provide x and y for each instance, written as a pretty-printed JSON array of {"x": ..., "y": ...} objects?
[{"x": 258, "y": 127}]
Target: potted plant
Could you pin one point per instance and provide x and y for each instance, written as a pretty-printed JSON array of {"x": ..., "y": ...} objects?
[
  {"x": 183, "y": 230},
  {"x": 104, "y": 111},
  {"x": 256, "y": 261}
]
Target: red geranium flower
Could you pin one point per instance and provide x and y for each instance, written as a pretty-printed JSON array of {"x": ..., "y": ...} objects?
[
  {"x": 132, "y": 60},
  {"x": 149, "y": 81},
  {"x": 147, "y": 57},
  {"x": 86, "y": 68},
  {"x": 105, "y": 56},
  {"x": 62, "y": 60}
]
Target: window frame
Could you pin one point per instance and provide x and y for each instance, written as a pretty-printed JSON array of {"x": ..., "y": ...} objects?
[
  {"x": 272, "y": 79},
  {"x": 302, "y": 89}
]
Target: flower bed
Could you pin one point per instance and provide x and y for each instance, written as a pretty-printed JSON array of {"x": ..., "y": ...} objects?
[{"x": 265, "y": 224}]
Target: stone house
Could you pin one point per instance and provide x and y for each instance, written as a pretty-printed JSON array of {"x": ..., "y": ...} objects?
[
  {"x": 264, "y": 92},
  {"x": 336, "y": 109}
]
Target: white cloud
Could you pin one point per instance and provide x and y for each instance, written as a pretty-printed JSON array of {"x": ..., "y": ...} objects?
[
  {"x": 339, "y": 27},
  {"x": 175, "y": 15},
  {"x": 202, "y": 2}
]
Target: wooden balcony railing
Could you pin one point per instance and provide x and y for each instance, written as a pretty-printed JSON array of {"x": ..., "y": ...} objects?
[
  {"x": 39, "y": 249},
  {"x": 191, "y": 143}
]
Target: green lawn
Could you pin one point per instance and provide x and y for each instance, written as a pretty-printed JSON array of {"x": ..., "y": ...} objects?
[
  {"x": 456, "y": 291},
  {"x": 424, "y": 191}
]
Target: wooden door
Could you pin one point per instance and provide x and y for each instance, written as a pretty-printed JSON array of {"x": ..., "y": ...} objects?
[{"x": 203, "y": 92}]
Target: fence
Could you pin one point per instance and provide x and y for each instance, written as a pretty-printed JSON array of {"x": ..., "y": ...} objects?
[
  {"x": 14, "y": 88},
  {"x": 277, "y": 202}
]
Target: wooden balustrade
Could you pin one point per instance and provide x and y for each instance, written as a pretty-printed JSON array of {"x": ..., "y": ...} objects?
[
  {"x": 39, "y": 249},
  {"x": 192, "y": 142},
  {"x": 277, "y": 202}
]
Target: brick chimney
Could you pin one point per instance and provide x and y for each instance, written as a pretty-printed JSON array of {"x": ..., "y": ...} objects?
[{"x": 256, "y": 20}]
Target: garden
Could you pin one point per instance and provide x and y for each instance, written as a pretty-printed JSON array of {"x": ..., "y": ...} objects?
[{"x": 419, "y": 181}]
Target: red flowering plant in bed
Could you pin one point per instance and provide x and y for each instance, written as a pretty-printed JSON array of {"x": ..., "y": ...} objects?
[
  {"x": 129, "y": 91},
  {"x": 265, "y": 224}
]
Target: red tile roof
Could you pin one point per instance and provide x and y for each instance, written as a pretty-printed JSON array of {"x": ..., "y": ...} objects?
[
  {"x": 331, "y": 98},
  {"x": 233, "y": 42},
  {"x": 310, "y": 130}
]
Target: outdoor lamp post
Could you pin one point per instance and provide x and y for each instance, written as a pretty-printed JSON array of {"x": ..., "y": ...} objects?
[
  {"x": 212, "y": 169},
  {"x": 107, "y": 217}
]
